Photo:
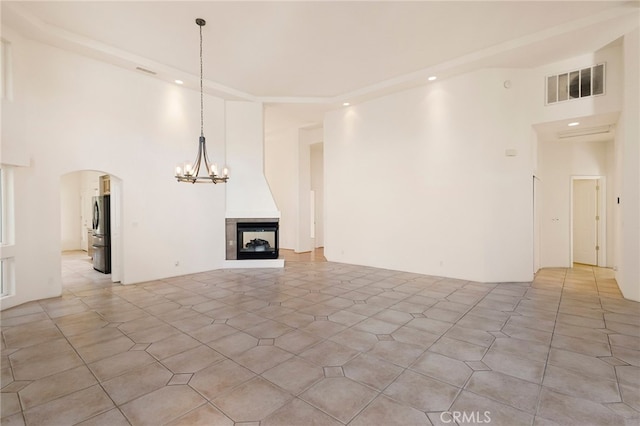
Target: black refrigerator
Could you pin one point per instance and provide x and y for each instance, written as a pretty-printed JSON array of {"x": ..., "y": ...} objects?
[{"x": 101, "y": 234}]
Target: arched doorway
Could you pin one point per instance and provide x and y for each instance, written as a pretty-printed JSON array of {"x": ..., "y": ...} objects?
[{"x": 77, "y": 192}]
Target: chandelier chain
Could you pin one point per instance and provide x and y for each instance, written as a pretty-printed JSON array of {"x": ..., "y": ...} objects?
[{"x": 201, "y": 89}]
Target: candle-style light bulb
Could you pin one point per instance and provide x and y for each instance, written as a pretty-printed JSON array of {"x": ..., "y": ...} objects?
[
  {"x": 178, "y": 170},
  {"x": 225, "y": 172}
]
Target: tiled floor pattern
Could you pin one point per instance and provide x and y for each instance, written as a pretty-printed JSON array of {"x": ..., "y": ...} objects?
[{"x": 321, "y": 343}]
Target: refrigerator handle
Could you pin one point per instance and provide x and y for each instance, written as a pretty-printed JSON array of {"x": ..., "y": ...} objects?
[{"x": 96, "y": 215}]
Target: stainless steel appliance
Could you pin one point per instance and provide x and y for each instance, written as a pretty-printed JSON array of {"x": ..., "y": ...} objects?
[{"x": 101, "y": 225}]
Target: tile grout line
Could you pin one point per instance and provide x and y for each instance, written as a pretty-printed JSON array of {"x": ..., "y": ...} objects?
[
  {"x": 84, "y": 363},
  {"x": 310, "y": 283},
  {"x": 546, "y": 362}
]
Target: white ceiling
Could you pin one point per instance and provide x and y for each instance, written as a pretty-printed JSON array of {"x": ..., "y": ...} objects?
[{"x": 321, "y": 54}]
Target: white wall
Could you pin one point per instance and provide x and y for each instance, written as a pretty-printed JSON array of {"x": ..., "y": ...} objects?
[
  {"x": 281, "y": 171},
  {"x": 248, "y": 194},
  {"x": 431, "y": 160},
  {"x": 72, "y": 113},
  {"x": 71, "y": 212},
  {"x": 628, "y": 149},
  {"x": 419, "y": 180},
  {"x": 403, "y": 158}
]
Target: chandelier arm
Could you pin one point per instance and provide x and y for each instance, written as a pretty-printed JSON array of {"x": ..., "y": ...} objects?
[
  {"x": 196, "y": 164},
  {"x": 206, "y": 158}
]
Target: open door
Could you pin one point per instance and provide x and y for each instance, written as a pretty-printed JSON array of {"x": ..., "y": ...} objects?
[
  {"x": 536, "y": 224},
  {"x": 585, "y": 221}
]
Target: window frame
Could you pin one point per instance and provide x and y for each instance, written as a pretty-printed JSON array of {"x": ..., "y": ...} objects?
[
  {"x": 6, "y": 74},
  {"x": 7, "y": 242}
]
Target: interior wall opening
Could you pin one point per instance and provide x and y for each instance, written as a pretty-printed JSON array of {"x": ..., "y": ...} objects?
[
  {"x": 90, "y": 215},
  {"x": 588, "y": 219},
  {"x": 574, "y": 211},
  {"x": 317, "y": 194}
]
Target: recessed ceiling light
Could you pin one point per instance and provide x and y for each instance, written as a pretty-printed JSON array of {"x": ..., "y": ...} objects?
[
  {"x": 179, "y": 81},
  {"x": 346, "y": 104},
  {"x": 575, "y": 123},
  {"x": 432, "y": 78}
]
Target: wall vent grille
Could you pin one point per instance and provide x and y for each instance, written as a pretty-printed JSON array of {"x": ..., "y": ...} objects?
[
  {"x": 582, "y": 83},
  {"x": 590, "y": 131}
]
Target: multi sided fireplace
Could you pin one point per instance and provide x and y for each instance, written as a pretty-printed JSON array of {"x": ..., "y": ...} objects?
[{"x": 257, "y": 240}]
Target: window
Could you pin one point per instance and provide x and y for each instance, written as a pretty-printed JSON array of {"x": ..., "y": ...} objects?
[
  {"x": 6, "y": 277},
  {"x": 5, "y": 69},
  {"x": 576, "y": 84},
  {"x": 2, "y": 203},
  {"x": 6, "y": 206},
  {"x": 6, "y": 232}
]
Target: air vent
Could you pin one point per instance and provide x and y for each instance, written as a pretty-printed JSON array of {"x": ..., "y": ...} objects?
[
  {"x": 589, "y": 131},
  {"x": 146, "y": 70},
  {"x": 576, "y": 84}
]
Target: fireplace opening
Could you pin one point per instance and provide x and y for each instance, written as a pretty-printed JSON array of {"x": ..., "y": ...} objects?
[{"x": 257, "y": 240}]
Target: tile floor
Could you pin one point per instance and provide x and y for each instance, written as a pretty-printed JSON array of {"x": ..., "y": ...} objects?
[{"x": 322, "y": 343}]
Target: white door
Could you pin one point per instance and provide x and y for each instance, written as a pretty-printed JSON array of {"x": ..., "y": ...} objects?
[
  {"x": 536, "y": 224},
  {"x": 585, "y": 221}
]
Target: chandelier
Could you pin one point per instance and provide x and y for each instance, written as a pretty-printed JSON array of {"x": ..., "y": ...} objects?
[{"x": 190, "y": 172}]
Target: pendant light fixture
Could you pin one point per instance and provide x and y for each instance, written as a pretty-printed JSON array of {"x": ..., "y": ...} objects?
[{"x": 190, "y": 172}]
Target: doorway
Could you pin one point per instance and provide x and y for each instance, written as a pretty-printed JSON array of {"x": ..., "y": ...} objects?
[
  {"x": 76, "y": 192},
  {"x": 317, "y": 194},
  {"x": 536, "y": 224},
  {"x": 588, "y": 220}
]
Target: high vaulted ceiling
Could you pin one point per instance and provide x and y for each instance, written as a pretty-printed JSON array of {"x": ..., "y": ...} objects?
[{"x": 321, "y": 53}]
